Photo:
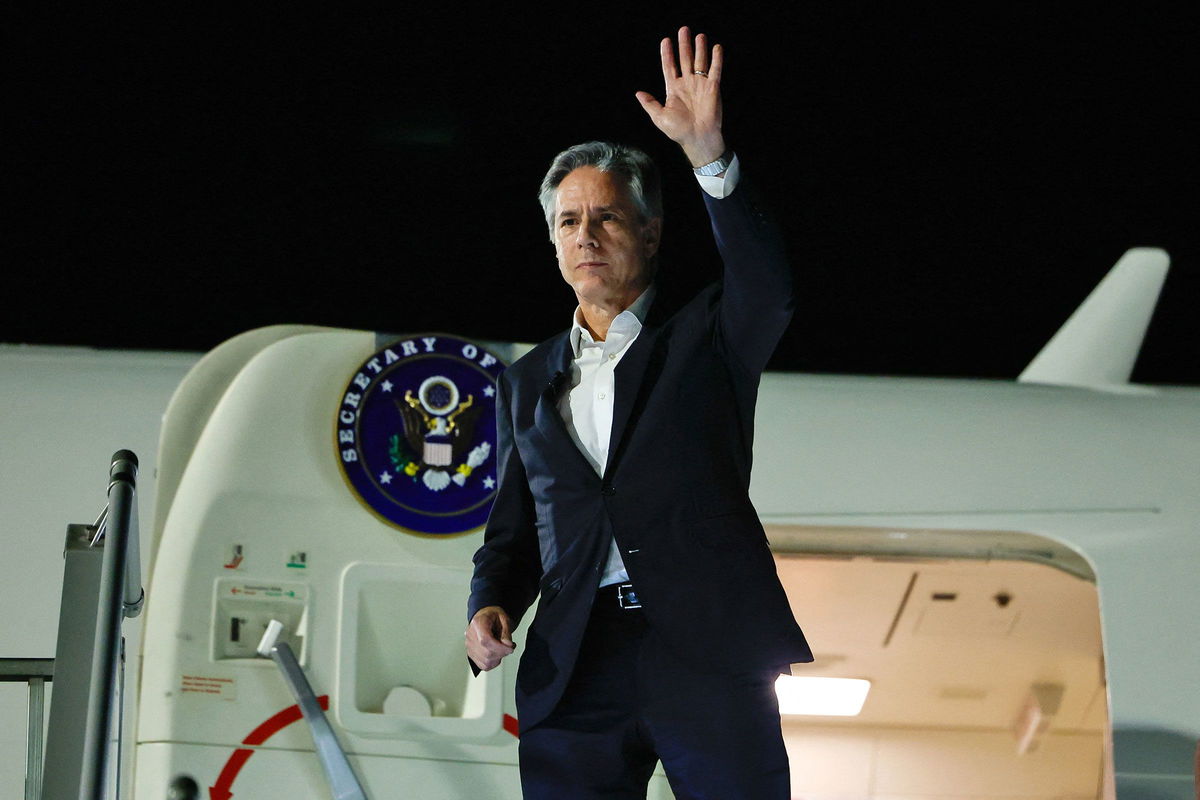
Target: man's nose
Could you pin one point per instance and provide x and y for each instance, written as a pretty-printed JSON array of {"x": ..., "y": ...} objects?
[{"x": 585, "y": 236}]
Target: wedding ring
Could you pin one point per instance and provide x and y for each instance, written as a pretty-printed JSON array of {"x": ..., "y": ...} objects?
[{"x": 698, "y": 72}]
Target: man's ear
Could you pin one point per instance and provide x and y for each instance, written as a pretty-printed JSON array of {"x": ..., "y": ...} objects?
[{"x": 652, "y": 233}]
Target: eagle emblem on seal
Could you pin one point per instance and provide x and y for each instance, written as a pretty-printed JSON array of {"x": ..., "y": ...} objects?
[{"x": 438, "y": 434}]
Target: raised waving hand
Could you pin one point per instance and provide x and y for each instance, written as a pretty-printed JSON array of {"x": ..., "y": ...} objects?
[{"x": 691, "y": 113}]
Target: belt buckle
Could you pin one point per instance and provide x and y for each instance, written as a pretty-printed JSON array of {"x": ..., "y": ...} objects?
[{"x": 627, "y": 597}]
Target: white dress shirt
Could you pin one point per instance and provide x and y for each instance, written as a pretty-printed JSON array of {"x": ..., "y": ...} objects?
[{"x": 587, "y": 406}]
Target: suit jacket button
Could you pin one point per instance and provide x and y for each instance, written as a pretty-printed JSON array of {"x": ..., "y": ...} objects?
[{"x": 608, "y": 491}]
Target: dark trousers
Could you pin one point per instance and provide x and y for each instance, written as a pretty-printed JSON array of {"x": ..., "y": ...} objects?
[{"x": 630, "y": 703}]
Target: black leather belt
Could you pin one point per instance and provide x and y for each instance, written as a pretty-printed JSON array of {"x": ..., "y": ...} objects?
[{"x": 623, "y": 594}]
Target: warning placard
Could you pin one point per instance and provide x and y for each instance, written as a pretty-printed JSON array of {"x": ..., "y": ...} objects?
[{"x": 216, "y": 688}]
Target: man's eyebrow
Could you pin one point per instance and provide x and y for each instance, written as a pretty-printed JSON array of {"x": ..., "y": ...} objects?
[{"x": 571, "y": 212}]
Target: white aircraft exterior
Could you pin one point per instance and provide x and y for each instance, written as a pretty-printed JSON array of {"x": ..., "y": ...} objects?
[{"x": 1013, "y": 566}]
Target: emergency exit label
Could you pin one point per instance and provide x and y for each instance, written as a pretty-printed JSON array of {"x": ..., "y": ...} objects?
[{"x": 209, "y": 686}]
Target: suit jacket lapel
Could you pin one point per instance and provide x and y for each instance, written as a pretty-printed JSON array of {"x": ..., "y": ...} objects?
[
  {"x": 546, "y": 415},
  {"x": 633, "y": 381}
]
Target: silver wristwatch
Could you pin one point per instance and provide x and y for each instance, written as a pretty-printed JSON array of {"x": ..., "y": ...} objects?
[{"x": 716, "y": 167}]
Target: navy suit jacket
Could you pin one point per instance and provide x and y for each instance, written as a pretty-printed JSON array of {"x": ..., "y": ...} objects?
[{"x": 675, "y": 490}]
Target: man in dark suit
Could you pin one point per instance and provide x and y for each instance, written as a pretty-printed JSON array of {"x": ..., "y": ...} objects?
[{"x": 624, "y": 450}]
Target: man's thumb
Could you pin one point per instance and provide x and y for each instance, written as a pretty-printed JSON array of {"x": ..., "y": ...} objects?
[{"x": 651, "y": 106}]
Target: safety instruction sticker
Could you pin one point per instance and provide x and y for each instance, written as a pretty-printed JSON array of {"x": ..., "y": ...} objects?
[{"x": 209, "y": 686}]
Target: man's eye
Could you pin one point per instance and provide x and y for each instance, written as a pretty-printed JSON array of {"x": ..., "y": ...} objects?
[
  {"x": 567, "y": 221},
  {"x": 608, "y": 217}
]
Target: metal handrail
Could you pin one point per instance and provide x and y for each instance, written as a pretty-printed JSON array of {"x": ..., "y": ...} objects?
[
  {"x": 101, "y": 587},
  {"x": 36, "y": 672}
]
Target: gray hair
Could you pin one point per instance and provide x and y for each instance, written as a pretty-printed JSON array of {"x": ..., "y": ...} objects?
[{"x": 637, "y": 168}]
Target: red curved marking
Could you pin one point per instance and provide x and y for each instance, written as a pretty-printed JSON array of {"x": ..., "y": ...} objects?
[
  {"x": 511, "y": 725},
  {"x": 222, "y": 789},
  {"x": 279, "y": 721}
]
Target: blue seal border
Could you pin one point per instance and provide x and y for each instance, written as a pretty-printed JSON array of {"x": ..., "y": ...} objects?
[{"x": 362, "y": 409}]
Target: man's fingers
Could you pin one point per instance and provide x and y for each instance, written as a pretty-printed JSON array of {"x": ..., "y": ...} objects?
[
  {"x": 686, "y": 56},
  {"x": 486, "y": 660},
  {"x": 489, "y": 638},
  {"x": 491, "y": 646},
  {"x": 504, "y": 634},
  {"x": 718, "y": 61},
  {"x": 491, "y": 631},
  {"x": 667, "y": 53},
  {"x": 700, "y": 59}
]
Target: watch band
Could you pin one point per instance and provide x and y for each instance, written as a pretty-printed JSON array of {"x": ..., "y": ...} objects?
[{"x": 716, "y": 167}]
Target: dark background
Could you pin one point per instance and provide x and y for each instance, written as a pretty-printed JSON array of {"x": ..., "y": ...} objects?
[{"x": 953, "y": 180}]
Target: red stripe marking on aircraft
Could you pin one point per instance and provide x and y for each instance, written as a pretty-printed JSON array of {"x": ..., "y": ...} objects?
[
  {"x": 279, "y": 721},
  {"x": 222, "y": 789},
  {"x": 511, "y": 725}
]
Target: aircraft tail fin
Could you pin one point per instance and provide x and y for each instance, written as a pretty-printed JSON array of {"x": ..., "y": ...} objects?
[{"x": 1099, "y": 343}]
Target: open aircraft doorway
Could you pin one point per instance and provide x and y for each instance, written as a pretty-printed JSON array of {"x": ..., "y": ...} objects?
[{"x": 983, "y": 654}]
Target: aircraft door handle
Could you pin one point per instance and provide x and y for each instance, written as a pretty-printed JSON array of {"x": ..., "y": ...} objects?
[{"x": 342, "y": 780}]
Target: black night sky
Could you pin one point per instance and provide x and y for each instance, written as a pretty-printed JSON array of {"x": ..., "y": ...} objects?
[{"x": 953, "y": 179}]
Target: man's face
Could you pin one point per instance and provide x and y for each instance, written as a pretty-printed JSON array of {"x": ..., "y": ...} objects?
[{"x": 603, "y": 249}]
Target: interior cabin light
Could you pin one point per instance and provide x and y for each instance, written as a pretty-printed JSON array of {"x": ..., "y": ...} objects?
[{"x": 830, "y": 697}]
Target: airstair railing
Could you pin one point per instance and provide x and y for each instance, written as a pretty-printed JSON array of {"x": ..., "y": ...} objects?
[
  {"x": 101, "y": 586},
  {"x": 35, "y": 672}
]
